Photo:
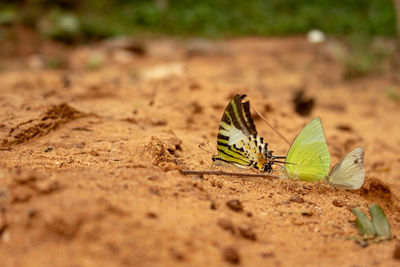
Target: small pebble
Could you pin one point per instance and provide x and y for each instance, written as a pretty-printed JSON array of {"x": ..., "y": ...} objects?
[
  {"x": 247, "y": 233},
  {"x": 48, "y": 149},
  {"x": 177, "y": 254},
  {"x": 213, "y": 205},
  {"x": 226, "y": 224},
  {"x": 297, "y": 199},
  {"x": 337, "y": 203},
  {"x": 307, "y": 213},
  {"x": 80, "y": 145},
  {"x": 231, "y": 255},
  {"x": 151, "y": 214},
  {"x": 267, "y": 255},
  {"x": 362, "y": 243},
  {"x": 235, "y": 205},
  {"x": 152, "y": 178}
]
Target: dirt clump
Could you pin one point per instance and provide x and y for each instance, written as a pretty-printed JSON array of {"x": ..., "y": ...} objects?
[{"x": 53, "y": 118}]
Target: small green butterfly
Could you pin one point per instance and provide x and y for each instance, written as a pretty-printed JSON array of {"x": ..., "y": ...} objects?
[{"x": 308, "y": 158}]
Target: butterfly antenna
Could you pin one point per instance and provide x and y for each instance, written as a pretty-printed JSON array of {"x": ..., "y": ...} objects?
[
  {"x": 285, "y": 162},
  {"x": 272, "y": 127},
  {"x": 208, "y": 143},
  {"x": 201, "y": 146}
]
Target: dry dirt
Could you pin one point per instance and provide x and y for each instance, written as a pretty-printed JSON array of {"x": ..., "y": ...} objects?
[{"x": 90, "y": 157}]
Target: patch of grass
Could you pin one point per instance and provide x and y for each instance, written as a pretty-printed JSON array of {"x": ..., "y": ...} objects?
[
  {"x": 364, "y": 58},
  {"x": 62, "y": 26},
  {"x": 7, "y": 16},
  {"x": 55, "y": 62},
  {"x": 210, "y": 18},
  {"x": 393, "y": 94},
  {"x": 95, "y": 61}
]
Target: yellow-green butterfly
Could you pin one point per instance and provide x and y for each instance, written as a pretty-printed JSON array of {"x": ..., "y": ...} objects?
[
  {"x": 238, "y": 143},
  {"x": 308, "y": 158},
  {"x": 349, "y": 173}
]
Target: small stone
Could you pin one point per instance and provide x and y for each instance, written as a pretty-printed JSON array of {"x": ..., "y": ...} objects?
[
  {"x": 213, "y": 205},
  {"x": 344, "y": 127},
  {"x": 362, "y": 243},
  {"x": 235, "y": 205},
  {"x": 216, "y": 183},
  {"x": 297, "y": 199},
  {"x": 231, "y": 255},
  {"x": 152, "y": 178},
  {"x": 307, "y": 213},
  {"x": 154, "y": 191},
  {"x": 177, "y": 254},
  {"x": 247, "y": 233},
  {"x": 151, "y": 215},
  {"x": 80, "y": 145},
  {"x": 226, "y": 224},
  {"x": 267, "y": 255},
  {"x": 48, "y": 149},
  {"x": 337, "y": 203}
]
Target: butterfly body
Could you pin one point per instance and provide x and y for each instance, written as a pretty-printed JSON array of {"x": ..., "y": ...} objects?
[
  {"x": 248, "y": 152},
  {"x": 238, "y": 142}
]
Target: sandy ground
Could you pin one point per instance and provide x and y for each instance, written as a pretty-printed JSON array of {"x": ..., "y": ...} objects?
[{"x": 90, "y": 158}]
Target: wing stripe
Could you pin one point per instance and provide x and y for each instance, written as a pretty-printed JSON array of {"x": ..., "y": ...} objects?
[
  {"x": 235, "y": 120},
  {"x": 249, "y": 119},
  {"x": 228, "y": 157},
  {"x": 239, "y": 114},
  {"x": 223, "y": 137},
  {"x": 222, "y": 144}
]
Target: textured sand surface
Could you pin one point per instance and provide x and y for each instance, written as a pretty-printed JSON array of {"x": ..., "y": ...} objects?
[{"x": 90, "y": 159}]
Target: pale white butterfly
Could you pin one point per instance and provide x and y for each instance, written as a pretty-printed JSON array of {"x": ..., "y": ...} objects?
[{"x": 349, "y": 173}]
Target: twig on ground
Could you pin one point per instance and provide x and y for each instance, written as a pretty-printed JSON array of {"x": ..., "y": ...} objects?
[{"x": 240, "y": 174}]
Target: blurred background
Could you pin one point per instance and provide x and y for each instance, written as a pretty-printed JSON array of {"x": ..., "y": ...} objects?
[
  {"x": 366, "y": 29},
  {"x": 82, "y": 21}
]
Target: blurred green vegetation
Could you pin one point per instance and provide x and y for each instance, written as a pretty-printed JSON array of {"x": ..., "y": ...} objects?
[
  {"x": 366, "y": 56},
  {"x": 74, "y": 20}
]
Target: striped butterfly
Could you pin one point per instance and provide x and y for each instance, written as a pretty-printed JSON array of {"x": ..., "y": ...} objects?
[{"x": 238, "y": 143}]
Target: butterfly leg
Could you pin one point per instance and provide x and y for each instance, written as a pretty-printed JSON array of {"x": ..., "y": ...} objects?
[
  {"x": 281, "y": 181},
  {"x": 299, "y": 183},
  {"x": 213, "y": 165}
]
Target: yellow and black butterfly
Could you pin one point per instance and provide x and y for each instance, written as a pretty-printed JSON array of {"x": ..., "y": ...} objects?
[{"x": 238, "y": 143}]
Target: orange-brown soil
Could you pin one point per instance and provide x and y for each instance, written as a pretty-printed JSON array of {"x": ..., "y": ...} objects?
[{"x": 90, "y": 157}]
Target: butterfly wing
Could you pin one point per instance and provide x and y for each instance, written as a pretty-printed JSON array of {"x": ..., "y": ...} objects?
[
  {"x": 236, "y": 122},
  {"x": 349, "y": 173},
  {"x": 236, "y": 127},
  {"x": 309, "y": 156}
]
